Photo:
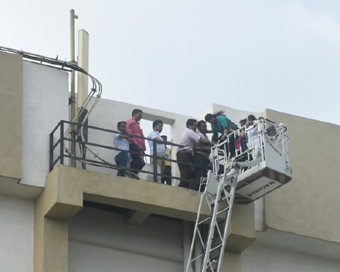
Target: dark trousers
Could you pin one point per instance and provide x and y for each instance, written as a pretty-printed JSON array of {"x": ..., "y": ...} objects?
[
  {"x": 230, "y": 146},
  {"x": 121, "y": 160},
  {"x": 185, "y": 170},
  {"x": 167, "y": 172},
  {"x": 136, "y": 163},
  {"x": 200, "y": 170}
]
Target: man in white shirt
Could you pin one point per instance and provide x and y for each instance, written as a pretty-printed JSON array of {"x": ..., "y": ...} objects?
[
  {"x": 160, "y": 147},
  {"x": 252, "y": 136},
  {"x": 200, "y": 159},
  {"x": 185, "y": 153}
]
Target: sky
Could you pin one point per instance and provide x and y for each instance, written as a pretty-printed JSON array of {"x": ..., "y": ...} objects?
[{"x": 182, "y": 56}]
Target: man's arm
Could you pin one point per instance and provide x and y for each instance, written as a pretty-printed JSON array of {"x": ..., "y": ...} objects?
[
  {"x": 159, "y": 141},
  {"x": 204, "y": 141},
  {"x": 122, "y": 136}
]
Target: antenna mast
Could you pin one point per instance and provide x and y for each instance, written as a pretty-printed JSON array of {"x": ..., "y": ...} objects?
[{"x": 72, "y": 100}]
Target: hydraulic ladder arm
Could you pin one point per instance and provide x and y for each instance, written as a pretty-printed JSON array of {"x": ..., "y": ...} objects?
[{"x": 250, "y": 179}]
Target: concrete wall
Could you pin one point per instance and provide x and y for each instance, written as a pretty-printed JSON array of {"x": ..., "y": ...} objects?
[
  {"x": 45, "y": 103},
  {"x": 309, "y": 204},
  {"x": 16, "y": 240},
  {"x": 11, "y": 74},
  {"x": 101, "y": 241},
  {"x": 280, "y": 252}
]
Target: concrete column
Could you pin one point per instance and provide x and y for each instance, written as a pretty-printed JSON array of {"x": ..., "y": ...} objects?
[
  {"x": 11, "y": 85},
  {"x": 59, "y": 202},
  {"x": 231, "y": 262}
]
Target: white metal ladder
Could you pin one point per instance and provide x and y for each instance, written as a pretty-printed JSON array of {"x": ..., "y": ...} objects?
[{"x": 219, "y": 194}]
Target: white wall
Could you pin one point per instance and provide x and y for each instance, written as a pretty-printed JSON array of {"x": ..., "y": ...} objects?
[
  {"x": 16, "y": 239},
  {"x": 281, "y": 252},
  {"x": 45, "y": 103},
  {"x": 101, "y": 241}
]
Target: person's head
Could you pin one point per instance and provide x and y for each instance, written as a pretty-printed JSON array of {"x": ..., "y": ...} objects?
[
  {"x": 192, "y": 124},
  {"x": 250, "y": 119},
  {"x": 157, "y": 125},
  {"x": 121, "y": 126},
  {"x": 165, "y": 138},
  {"x": 202, "y": 126},
  {"x": 137, "y": 114},
  {"x": 210, "y": 118},
  {"x": 243, "y": 122}
]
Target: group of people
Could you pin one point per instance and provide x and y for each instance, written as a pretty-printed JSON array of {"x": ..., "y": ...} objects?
[
  {"x": 131, "y": 138},
  {"x": 194, "y": 151},
  {"x": 193, "y": 157}
]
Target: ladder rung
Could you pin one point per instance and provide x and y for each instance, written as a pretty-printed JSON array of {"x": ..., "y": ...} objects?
[
  {"x": 216, "y": 247},
  {"x": 197, "y": 257},
  {"x": 204, "y": 220},
  {"x": 223, "y": 210}
]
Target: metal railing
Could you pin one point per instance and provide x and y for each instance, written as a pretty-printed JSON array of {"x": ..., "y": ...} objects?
[{"x": 59, "y": 151}]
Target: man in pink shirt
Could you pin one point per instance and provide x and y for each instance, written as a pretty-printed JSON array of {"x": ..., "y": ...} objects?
[
  {"x": 137, "y": 145},
  {"x": 185, "y": 153}
]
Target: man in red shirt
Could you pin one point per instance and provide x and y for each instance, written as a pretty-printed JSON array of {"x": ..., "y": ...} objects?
[{"x": 137, "y": 145}]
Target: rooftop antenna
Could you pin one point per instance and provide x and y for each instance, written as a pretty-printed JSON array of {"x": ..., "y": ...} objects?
[
  {"x": 72, "y": 100},
  {"x": 83, "y": 80}
]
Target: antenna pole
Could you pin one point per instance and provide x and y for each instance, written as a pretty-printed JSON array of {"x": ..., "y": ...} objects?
[{"x": 72, "y": 100}]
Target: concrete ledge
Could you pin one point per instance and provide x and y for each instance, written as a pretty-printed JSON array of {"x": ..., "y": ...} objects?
[
  {"x": 63, "y": 195},
  {"x": 138, "y": 195},
  {"x": 67, "y": 188}
]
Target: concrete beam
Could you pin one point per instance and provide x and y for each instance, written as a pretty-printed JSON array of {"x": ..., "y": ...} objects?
[{"x": 136, "y": 218}]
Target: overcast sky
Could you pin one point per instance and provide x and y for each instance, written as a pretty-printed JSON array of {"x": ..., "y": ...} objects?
[{"x": 182, "y": 56}]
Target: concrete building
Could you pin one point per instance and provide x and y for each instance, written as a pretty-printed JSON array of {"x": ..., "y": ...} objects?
[{"x": 71, "y": 219}]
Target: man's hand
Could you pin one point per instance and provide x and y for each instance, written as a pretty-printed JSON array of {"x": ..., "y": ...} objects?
[{"x": 140, "y": 148}]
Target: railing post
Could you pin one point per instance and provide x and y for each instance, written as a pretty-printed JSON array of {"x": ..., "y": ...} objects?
[
  {"x": 62, "y": 142},
  {"x": 154, "y": 156},
  {"x": 51, "y": 151}
]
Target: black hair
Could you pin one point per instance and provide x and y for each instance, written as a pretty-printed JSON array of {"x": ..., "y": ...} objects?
[
  {"x": 135, "y": 111},
  {"x": 243, "y": 121},
  {"x": 209, "y": 116},
  {"x": 251, "y": 117},
  {"x": 190, "y": 122},
  {"x": 156, "y": 122},
  {"x": 164, "y": 136},
  {"x": 199, "y": 123},
  {"x": 120, "y": 123}
]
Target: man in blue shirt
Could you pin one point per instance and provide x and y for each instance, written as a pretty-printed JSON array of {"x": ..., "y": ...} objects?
[{"x": 120, "y": 140}]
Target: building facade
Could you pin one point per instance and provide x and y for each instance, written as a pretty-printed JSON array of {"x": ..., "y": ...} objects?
[{"x": 74, "y": 219}]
